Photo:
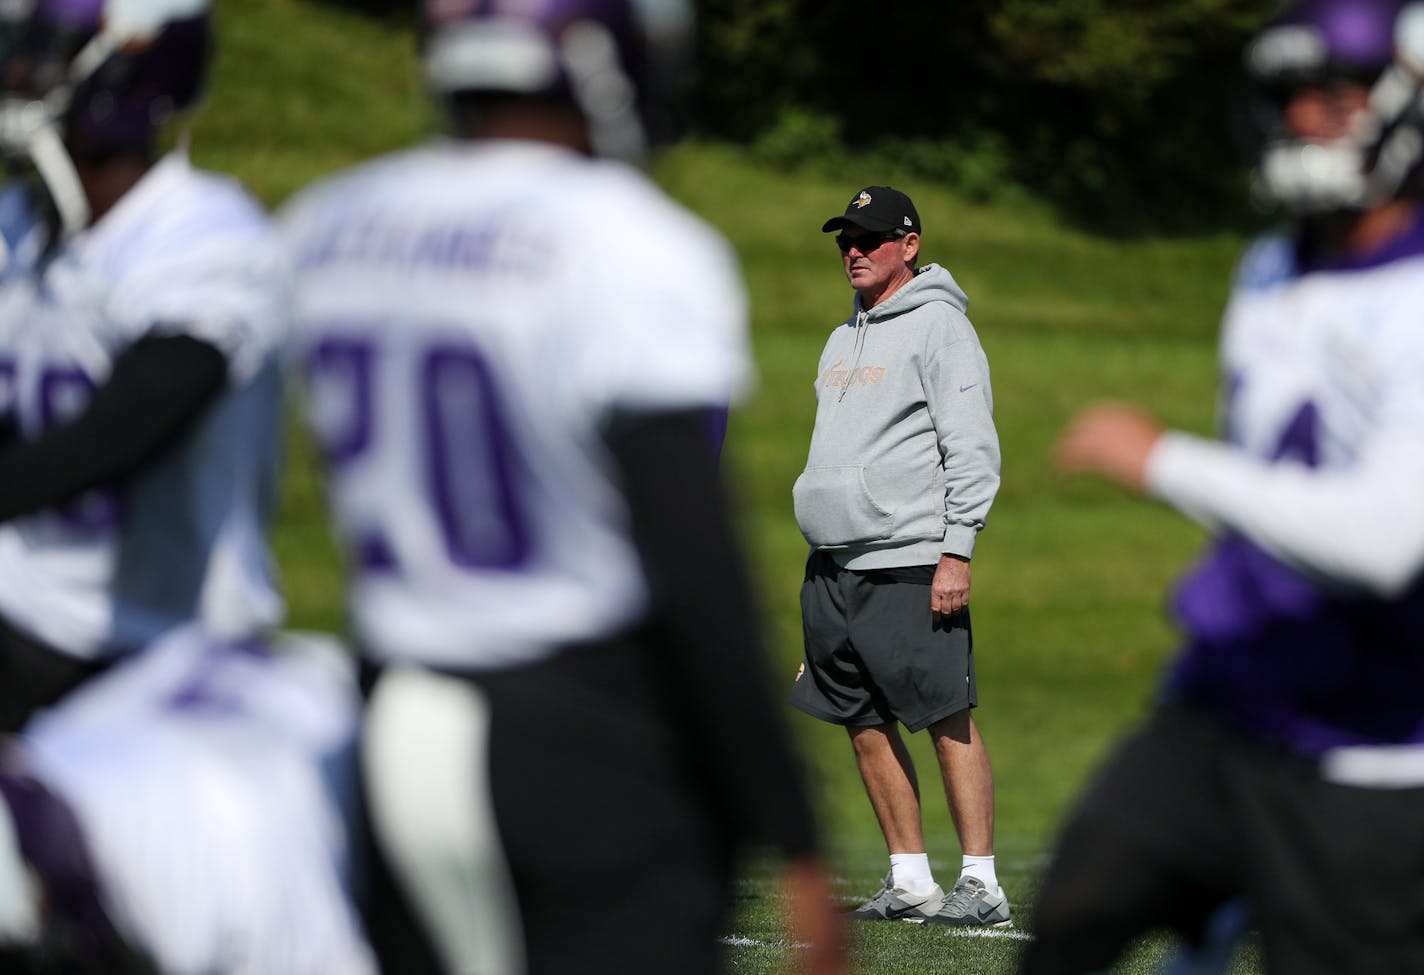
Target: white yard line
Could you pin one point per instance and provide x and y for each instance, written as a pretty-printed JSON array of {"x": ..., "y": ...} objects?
[
  {"x": 1008, "y": 934},
  {"x": 739, "y": 942}
]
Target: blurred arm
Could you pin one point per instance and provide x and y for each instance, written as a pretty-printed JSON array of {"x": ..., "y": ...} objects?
[
  {"x": 703, "y": 604},
  {"x": 700, "y": 592},
  {"x": 1362, "y": 526},
  {"x": 153, "y": 395}
]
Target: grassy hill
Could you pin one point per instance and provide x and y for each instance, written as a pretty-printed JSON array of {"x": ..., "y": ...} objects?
[{"x": 1069, "y": 577}]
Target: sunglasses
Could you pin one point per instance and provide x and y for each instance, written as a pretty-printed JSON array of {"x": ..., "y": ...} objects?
[{"x": 865, "y": 243}]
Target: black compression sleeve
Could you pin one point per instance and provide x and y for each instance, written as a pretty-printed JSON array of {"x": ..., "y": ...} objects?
[
  {"x": 703, "y": 607},
  {"x": 154, "y": 393}
]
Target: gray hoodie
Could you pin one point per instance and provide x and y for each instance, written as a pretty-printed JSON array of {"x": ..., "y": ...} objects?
[{"x": 904, "y": 460}]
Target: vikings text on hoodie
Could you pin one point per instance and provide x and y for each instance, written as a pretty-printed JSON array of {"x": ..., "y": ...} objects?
[{"x": 904, "y": 459}]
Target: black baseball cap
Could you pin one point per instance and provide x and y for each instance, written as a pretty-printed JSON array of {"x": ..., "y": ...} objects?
[{"x": 879, "y": 209}]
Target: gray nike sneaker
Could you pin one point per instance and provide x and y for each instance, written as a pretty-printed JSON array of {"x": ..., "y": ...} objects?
[
  {"x": 970, "y": 904},
  {"x": 898, "y": 904}
]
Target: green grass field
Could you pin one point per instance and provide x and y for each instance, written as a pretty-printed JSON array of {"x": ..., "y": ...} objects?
[{"x": 1069, "y": 577}]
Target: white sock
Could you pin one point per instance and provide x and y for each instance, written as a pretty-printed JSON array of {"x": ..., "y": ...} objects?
[
  {"x": 981, "y": 868},
  {"x": 911, "y": 871}
]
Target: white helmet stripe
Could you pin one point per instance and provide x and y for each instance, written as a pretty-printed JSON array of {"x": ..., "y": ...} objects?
[{"x": 490, "y": 55}]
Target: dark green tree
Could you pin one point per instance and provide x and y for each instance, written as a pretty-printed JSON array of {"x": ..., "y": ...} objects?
[{"x": 1113, "y": 108}]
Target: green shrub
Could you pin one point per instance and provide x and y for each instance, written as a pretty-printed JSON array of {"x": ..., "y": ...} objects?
[{"x": 799, "y": 136}]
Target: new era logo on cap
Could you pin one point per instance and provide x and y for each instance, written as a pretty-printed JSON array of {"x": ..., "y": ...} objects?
[{"x": 879, "y": 209}]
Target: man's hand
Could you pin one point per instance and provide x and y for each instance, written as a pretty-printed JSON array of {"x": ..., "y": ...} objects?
[
  {"x": 812, "y": 920},
  {"x": 1109, "y": 439},
  {"x": 949, "y": 593}
]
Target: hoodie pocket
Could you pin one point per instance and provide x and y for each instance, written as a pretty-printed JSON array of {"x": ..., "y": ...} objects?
[{"x": 834, "y": 506}]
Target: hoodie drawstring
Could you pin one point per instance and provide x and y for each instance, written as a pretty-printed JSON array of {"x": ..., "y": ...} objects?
[{"x": 862, "y": 325}]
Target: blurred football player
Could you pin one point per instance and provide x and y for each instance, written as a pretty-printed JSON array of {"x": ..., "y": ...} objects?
[
  {"x": 187, "y": 812},
  {"x": 1285, "y": 765},
  {"x": 139, "y": 390},
  {"x": 516, "y": 351}
]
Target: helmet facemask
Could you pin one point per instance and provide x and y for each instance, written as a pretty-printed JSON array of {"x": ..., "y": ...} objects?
[
  {"x": 1371, "y": 156},
  {"x": 82, "y": 81}
]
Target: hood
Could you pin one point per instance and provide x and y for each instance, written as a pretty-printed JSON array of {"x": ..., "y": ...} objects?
[{"x": 931, "y": 282}]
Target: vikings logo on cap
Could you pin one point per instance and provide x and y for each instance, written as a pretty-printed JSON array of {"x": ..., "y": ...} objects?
[{"x": 861, "y": 201}]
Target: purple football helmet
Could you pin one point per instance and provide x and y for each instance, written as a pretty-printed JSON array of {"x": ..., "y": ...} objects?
[
  {"x": 90, "y": 78},
  {"x": 1377, "y": 44},
  {"x": 606, "y": 57}
]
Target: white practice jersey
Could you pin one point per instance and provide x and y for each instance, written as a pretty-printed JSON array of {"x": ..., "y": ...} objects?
[
  {"x": 468, "y": 318},
  {"x": 1323, "y": 409},
  {"x": 183, "y": 252},
  {"x": 210, "y": 780}
]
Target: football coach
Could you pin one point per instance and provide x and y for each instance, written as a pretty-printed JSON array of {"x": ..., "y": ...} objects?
[{"x": 902, "y": 470}]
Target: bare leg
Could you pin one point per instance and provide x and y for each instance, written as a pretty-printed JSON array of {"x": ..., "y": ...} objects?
[
  {"x": 968, "y": 781},
  {"x": 889, "y": 777}
]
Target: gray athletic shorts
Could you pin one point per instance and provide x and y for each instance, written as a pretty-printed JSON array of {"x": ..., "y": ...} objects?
[{"x": 874, "y": 653}]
